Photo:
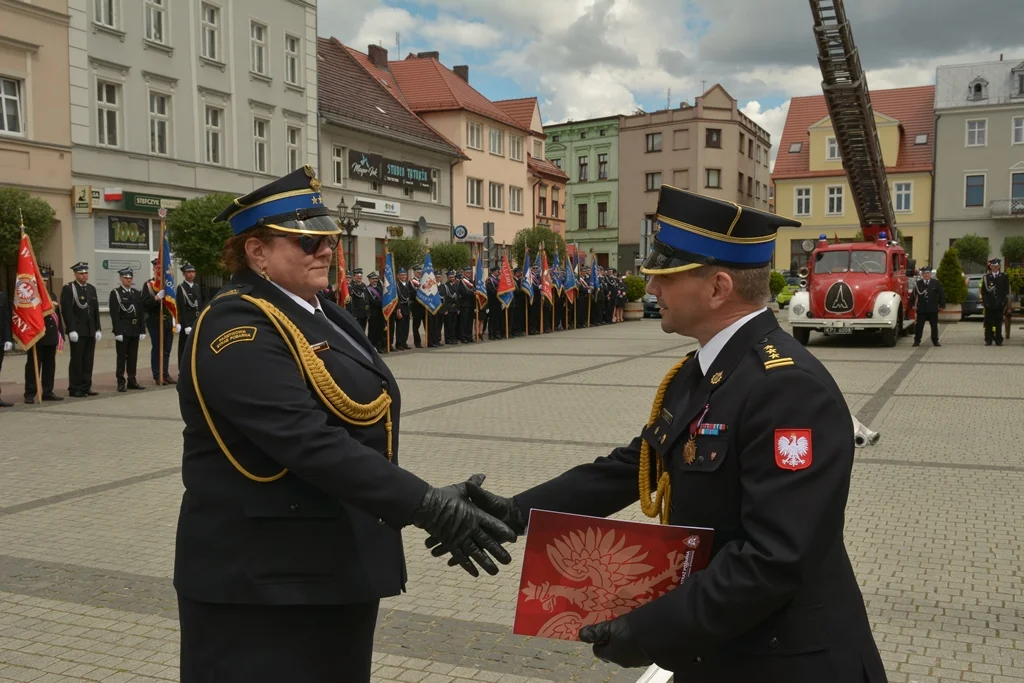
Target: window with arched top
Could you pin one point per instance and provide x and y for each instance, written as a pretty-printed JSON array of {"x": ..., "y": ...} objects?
[{"x": 978, "y": 89}]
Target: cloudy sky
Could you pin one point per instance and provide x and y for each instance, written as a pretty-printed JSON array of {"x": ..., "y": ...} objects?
[{"x": 588, "y": 58}]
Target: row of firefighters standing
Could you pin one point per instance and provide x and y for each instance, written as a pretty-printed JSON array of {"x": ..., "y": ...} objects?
[{"x": 461, "y": 320}]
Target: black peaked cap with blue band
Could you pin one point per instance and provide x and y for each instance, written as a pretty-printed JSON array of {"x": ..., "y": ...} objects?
[
  {"x": 694, "y": 231},
  {"x": 291, "y": 204}
]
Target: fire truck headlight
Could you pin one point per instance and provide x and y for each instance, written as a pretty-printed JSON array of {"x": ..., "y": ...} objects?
[
  {"x": 798, "y": 309},
  {"x": 884, "y": 310}
]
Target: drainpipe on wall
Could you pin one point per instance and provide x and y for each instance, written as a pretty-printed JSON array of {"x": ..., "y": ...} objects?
[
  {"x": 931, "y": 214},
  {"x": 451, "y": 201},
  {"x": 533, "y": 209}
]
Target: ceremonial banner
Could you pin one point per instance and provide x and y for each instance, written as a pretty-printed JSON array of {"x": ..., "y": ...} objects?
[
  {"x": 556, "y": 273},
  {"x": 165, "y": 274},
  {"x": 580, "y": 570},
  {"x": 390, "y": 299},
  {"x": 570, "y": 281},
  {"x": 427, "y": 293},
  {"x": 506, "y": 285},
  {"x": 480, "y": 286},
  {"x": 527, "y": 284},
  {"x": 545, "y": 275},
  {"x": 31, "y": 300},
  {"x": 342, "y": 278}
]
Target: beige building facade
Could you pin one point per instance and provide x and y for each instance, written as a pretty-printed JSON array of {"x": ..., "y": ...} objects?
[
  {"x": 709, "y": 147},
  {"x": 35, "y": 123}
]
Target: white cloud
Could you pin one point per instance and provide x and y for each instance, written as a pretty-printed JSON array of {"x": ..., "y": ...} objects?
[
  {"x": 449, "y": 30},
  {"x": 772, "y": 120},
  {"x": 379, "y": 27}
]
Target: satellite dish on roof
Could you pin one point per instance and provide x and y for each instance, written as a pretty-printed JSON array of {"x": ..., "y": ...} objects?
[{"x": 421, "y": 224}]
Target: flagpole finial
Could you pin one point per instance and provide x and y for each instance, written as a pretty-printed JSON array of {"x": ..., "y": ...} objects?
[{"x": 21, "y": 221}]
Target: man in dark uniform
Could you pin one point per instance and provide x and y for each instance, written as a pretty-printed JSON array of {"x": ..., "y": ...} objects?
[
  {"x": 450, "y": 306},
  {"x": 128, "y": 321},
  {"x": 995, "y": 292},
  {"x": 584, "y": 298},
  {"x": 779, "y": 600},
  {"x": 45, "y": 351},
  {"x": 375, "y": 301},
  {"x": 190, "y": 302},
  {"x": 359, "y": 303},
  {"x": 467, "y": 306},
  {"x": 495, "y": 311},
  {"x": 419, "y": 311},
  {"x": 406, "y": 299},
  {"x": 928, "y": 298},
  {"x": 80, "y": 308},
  {"x": 6, "y": 336},
  {"x": 152, "y": 301},
  {"x": 597, "y": 300},
  {"x": 518, "y": 307}
]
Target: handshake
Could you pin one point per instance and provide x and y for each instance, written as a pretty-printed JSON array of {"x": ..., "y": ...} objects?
[{"x": 470, "y": 523}]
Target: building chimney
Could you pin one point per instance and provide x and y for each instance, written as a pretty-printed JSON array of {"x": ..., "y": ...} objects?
[
  {"x": 462, "y": 71},
  {"x": 429, "y": 55},
  {"x": 1000, "y": 56},
  {"x": 378, "y": 56}
]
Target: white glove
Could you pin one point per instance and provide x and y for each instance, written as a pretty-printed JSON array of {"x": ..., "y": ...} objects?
[
  {"x": 118, "y": 337},
  {"x": 177, "y": 328},
  {"x": 160, "y": 295},
  {"x": 141, "y": 337},
  {"x": 188, "y": 330},
  {"x": 74, "y": 337},
  {"x": 8, "y": 346},
  {"x": 99, "y": 335}
]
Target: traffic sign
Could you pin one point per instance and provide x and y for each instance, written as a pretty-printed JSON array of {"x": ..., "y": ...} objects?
[{"x": 460, "y": 232}]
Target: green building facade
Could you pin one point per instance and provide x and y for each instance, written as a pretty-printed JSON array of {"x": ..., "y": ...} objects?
[{"x": 588, "y": 152}]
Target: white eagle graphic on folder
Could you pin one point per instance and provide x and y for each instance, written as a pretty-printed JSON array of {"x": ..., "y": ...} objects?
[{"x": 793, "y": 450}]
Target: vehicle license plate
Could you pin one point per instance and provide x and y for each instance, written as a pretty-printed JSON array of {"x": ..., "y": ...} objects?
[{"x": 839, "y": 330}]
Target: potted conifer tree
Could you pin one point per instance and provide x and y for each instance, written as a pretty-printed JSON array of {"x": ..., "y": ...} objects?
[{"x": 954, "y": 286}]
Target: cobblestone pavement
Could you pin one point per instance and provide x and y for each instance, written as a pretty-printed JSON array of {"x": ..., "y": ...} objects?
[{"x": 90, "y": 490}]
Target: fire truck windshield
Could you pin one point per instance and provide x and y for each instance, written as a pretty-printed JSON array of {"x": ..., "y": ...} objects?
[{"x": 856, "y": 261}]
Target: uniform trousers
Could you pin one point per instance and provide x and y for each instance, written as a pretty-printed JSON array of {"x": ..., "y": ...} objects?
[
  {"x": 229, "y": 643},
  {"x": 994, "y": 324},
  {"x": 418, "y": 316},
  {"x": 2, "y": 352},
  {"x": 80, "y": 366},
  {"x": 451, "y": 326},
  {"x": 434, "y": 322},
  {"x": 402, "y": 329},
  {"x": 47, "y": 366},
  {"x": 153, "y": 327},
  {"x": 182, "y": 338},
  {"x": 933, "y": 320},
  {"x": 127, "y": 359},
  {"x": 467, "y": 320}
]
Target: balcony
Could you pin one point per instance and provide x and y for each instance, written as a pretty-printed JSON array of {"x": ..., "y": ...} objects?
[{"x": 1007, "y": 208}]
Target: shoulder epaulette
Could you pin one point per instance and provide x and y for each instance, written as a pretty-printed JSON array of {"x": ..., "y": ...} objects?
[
  {"x": 233, "y": 291},
  {"x": 771, "y": 356}
]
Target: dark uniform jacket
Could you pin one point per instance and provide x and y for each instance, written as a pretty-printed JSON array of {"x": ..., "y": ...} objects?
[
  {"x": 406, "y": 294},
  {"x": 450, "y": 294},
  {"x": 926, "y": 296},
  {"x": 54, "y": 326},
  {"x": 995, "y": 289},
  {"x": 359, "y": 304},
  {"x": 779, "y": 600},
  {"x": 6, "y": 317},
  {"x": 327, "y": 533},
  {"x": 127, "y": 316},
  {"x": 152, "y": 305},
  {"x": 80, "y": 307},
  {"x": 467, "y": 295},
  {"x": 190, "y": 303}
]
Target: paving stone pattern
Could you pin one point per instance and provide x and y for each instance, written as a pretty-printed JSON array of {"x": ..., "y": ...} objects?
[{"x": 90, "y": 493}]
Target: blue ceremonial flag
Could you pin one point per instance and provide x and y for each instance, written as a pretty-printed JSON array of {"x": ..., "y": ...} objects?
[
  {"x": 569, "y": 283},
  {"x": 527, "y": 284},
  {"x": 427, "y": 293},
  {"x": 556, "y": 273},
  {"x": 480, "y": 285},
  {"x": 165, "y": 274},
  {"x": 390, "y": 299},
  {"x": 593, "y": 272}
]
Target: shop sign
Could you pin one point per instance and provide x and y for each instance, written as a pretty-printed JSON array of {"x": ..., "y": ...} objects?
[{"x": 125, "y": 232}]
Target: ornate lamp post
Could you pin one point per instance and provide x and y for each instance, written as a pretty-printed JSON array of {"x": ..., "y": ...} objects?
[{"x": 348, "y": 219}]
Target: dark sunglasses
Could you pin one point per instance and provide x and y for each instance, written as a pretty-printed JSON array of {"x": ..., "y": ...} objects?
[{"x": 311, "y": 244}]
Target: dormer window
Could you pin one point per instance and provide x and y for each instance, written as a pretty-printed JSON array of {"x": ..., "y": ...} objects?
[
  {"x": 977, "y": 90},
  {"x": 795, "y": 147},
  {"x": 1017, "y": 81}
]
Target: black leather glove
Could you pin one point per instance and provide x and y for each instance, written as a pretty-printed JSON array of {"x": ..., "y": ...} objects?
[
  {"x": 613, "y": 642},
  {"x": 471, "y": 534},
  {"x": 504, "y": 509}
]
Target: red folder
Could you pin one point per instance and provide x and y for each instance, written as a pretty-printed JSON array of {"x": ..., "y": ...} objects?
[{"x": 580, "y": 570}]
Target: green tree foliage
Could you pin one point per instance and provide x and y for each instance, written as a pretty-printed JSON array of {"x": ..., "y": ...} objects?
[
  {"x": 193, "y": 235},
  {"x": 38, "y": 217},
  {"x": 973, "y": 250},
  {"x": 449, "y": 257},
  {"x": 408, "y": 252},
  {"x": 533, "y": 238},
  {"x": 951, "y": 276},
  {"x": 777, "y": 282},
  {"x": 1013, "y": 250},
  {"x": 635, "y": 287}
]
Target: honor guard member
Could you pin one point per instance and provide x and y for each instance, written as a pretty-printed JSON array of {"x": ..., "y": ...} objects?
[
  {"x": 779, "y": 600},
  {"x": 928, "y": 299},
  {"x": 45, "y": 353},
  {"x": 450, "y": 294},
  {"x": 80, "y": 306},
  {"x": 6, "y": 336},
  {"x": 359, "y": 303},
  {"x": 995, "y": 293},
  {"x": 467, "y": 306},
  {"x": 495, "y": 312},
  {"x": 375, "y": 299},
  {"x": 128, "y": 321},
  {"x": 290, "y": 526},
  {"x": 406, "y": 294},
  {"x": 419, "y": 311},
  {"x": 152, "y": 300},
  {"x": 190, "y": 302}
]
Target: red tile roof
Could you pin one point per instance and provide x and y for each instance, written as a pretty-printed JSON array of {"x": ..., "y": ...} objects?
[
  {"x": 350, "y": 86},
  {"x": 912, "y": 107},
  {"x": 430, "y": 86},
  {"x": 545, "y": 168},
  {"x": 521, "y": 110}
]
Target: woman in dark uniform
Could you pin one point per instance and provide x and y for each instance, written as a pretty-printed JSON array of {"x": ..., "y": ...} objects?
[{"x": 290, "y": 525}]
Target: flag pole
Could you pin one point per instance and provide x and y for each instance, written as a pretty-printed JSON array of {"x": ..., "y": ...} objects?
[
  {"x": 505, "y": 256},
  {"x": 541, "y": 291},
  {"x": 35, "y": 351},
  {"x": 526, "y": 308},
  {"x": 476, "y": 305},
  {"x": 160, "y": 358},
  {"x": 387, "y": 318}
]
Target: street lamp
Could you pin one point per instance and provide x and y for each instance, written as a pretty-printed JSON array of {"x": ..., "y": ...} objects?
[{"x": 348, "y": 219}]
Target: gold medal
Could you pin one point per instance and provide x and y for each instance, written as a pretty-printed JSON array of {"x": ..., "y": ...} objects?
[{"x": 690, "y": 451}]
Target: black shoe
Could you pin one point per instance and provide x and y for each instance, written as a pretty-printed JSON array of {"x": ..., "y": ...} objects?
[
  {"x": 121, "y": 388},
  {"x": 5, "y": 404},
  {"x": 75, "y": 394},
  {"x": 168, "y": 380},
  {"x": 136, "y": 386},
  {"x": 988, "y": 343},
  {"x": 52, "y": 397},
  {"x": 92, "y": 393},
  {"x": 29, "y": 400},
  {"x": 936, "y": 344},
  {"x": 917, "y": 343},
  {"x": 999, "y": 343}
]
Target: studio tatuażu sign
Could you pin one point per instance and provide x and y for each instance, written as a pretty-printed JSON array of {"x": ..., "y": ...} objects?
[{"x": 375, "y": 168}]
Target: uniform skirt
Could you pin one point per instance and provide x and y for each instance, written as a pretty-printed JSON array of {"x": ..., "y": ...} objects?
[{"x": 225, "y": 643}]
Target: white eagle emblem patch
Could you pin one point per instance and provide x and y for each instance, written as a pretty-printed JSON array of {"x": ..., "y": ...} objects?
[{"x": 793, "y": 448}]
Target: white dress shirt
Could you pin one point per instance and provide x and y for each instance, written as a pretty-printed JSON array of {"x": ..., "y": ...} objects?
[
  {"x": 313, "y": 308},
  {"x": 709, "y": 352}
]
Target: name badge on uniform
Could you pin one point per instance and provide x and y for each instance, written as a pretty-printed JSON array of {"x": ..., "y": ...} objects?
[
  {"x": 319, "y": 346},
  {"x": 666, "y": 416}
]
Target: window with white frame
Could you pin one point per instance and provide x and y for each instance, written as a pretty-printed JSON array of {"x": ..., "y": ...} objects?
[
  {"x": 653, "y": 181},
  {"x": 759, "y": 154},
  {"x": 974, "y": 190},
  {"x": 904, "y": 196},
  {"x": 538, "y": 149},
  {"x": 258, "y": 54},
  {"x": 976, "y": 129},
  {"x": 156, "y": 21},
  {"x": 10, "y": 107},
  {"x": 803, "y": 201},
  {"x": 292, "y": 48},
  {"x": 260, "y": 139},
  {"x": 159, "y": 122},
  {"x": 338, "y": 164},
  {"x": 713, "y": 177},
  {"x": 211, "y": 31},
  {"x": 497, "y": 192},
  {"x": 435, "y": 177},
  {"x": 214, "y": 135},
  {"x": 835, "y": 200},
  {"x": 474, "y": 191},
  {"x": 554, "y": 202},
  {"x": 293, "y": 141},
  {"x": 1018, "y": 130},
  {"x": 831, "y": 149},
  {"x": 105, "y": 12},
  {"x": 515, "y": 148},
  {"x": 757, "y": 190},
  {"x": 474, "y": 135},
  {"x": 515, "y": 199},
  {"x": 108, "y": 114},
  {"x": 496, "y": 140}
]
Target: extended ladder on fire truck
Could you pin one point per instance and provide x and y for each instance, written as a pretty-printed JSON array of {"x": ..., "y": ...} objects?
[{"x": 849, "y": 106}]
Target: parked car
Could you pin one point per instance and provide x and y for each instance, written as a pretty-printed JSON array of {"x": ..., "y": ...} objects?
[
  {"x": 972, "y": 305},
  {"x": 651, "y": 308},
  {"x": 792, "y": 286}
]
